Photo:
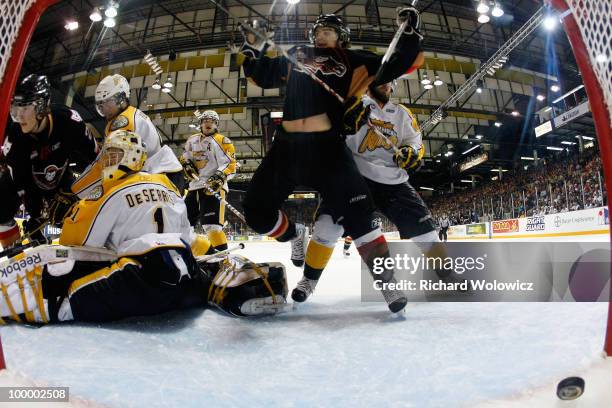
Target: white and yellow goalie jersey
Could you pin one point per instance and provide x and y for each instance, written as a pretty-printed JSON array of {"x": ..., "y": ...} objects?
[
  {"x": 160, "y": 159},
  {"x": 130, "y": 216},
  {"x": 372, "y": 154},
  {"x": 210, "y": 154}
]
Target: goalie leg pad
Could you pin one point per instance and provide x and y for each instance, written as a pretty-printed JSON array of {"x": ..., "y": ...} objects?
[
  {"x": 242, "y": 288},
  {"x": 21, "y": 298}
]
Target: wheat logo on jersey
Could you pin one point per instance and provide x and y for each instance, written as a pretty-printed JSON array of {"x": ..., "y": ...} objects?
[
  {"x": 372, "y": 141},
  {"x": 119, "y": 122},
  {"x": 324, "y": 64}
]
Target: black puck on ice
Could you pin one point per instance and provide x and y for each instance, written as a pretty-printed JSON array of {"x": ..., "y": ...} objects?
[{"x": 570, "y": 388}]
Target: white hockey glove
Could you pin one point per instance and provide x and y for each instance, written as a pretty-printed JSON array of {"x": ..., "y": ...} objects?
[
  {"x": 256, "y": 37},
  {"x": 413, "y": 17}
]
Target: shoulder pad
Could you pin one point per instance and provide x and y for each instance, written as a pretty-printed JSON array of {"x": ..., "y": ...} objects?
[{"x": 119, "y": 122}]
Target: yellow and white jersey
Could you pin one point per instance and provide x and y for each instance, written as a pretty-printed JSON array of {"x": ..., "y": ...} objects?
[
  {"x": 160, "y": 159},
  {"x": 130, "y": 216},
  {"x": 210, "y": 153},
  {"x": 372, "y": 154}
]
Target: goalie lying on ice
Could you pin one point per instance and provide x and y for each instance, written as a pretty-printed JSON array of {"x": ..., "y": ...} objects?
[{"x": 124, "y": 252}]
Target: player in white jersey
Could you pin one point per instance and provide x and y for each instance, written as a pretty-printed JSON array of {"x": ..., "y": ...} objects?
[
  {"x": 386, "y": 172},
  {"x": 112, "y": 101},
  {"x": 210, "y": 159},
  {"x": 140, "y": 221}
]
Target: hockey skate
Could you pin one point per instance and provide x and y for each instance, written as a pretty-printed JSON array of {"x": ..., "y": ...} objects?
[
  {"x": 298, "y": 245},
  {"x": 396, "y": 299},
  {"x": 304, "y": 289}
]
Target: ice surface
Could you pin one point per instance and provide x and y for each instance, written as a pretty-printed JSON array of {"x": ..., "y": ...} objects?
[{"x": 331, "y": 351}]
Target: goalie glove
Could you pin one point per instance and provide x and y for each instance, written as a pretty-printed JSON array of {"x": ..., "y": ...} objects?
[
  {"x": 60, "y": 206},
  {"x": 356, "y": 115},
  {"x": 409, "y": 158},
  {"x": 189, "y": 168},
  {"x": 413, "y": 17},
  {"x": 217, "y": 180},
  {"x": 256, "y": 36}
]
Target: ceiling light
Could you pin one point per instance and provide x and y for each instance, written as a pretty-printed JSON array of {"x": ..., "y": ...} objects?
[
  {"x": 165, "y": 90},
  {"x": 156, "y": 85},
  {"x": 109, "y": 22},
  {"x": 71, "y": 25},
  {"x": 95, "y": 15},
  {"x": 540, "y": 97},
  {"x": 498, "y": 124},
  {"x": 483, "y": 18},
  {"x": 470, "y": 149},
  {"x": 555, "y": 88},
  {"x": 426, "y": 188},
  {"x": 576, "y": 89},
  {"x": 438, "y": 81},
  {"x": 550, "y": 22},
  {"x": 448, "y": 154},
  {"x": 515, "y": 113},
  {"x": 466, "y": 181},
  {"x": 425, "y": 80},
  {"x": 428, "y": 86},
  {"x": 478, "y": 137},
  {"x": 565, "y": 142},
  {"x": 497, "y": 11},
  {"x": 585, "y": 137},
  {"x": 111, "y": 11},
  {"x": 293, "y": 1},
  {"x": 482, "y": 7},
  {"x": 558, "y": 149},
  {"x": 479, "y": 90},
  {"x": 527, "y": 158},
  {"x": 168, "y": 83},
  {"x": 497, "y": 170}
]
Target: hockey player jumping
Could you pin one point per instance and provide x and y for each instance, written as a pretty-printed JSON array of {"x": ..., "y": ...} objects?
[{"x": 309, "y": 150}]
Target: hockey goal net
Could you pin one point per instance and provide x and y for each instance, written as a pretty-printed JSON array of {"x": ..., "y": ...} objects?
[{"x": 588, "y": 25}]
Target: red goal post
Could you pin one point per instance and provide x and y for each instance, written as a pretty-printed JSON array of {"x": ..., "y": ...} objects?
[
  {"x": 587, "y": 25},
  {"x": 19, "y": 19}
]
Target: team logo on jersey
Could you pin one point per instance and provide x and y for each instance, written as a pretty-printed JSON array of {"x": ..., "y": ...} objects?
[
  {"x": 50, "y": 172},
  {"x": 373, "y": 141},
  {"x": 119, "y": 122},
  {"x": 50, "y": 176},
  {"x": 324, "y": 64},
  {"x": 96, "y": 193}
]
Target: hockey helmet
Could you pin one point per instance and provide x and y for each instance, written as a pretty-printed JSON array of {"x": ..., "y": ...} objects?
[
  {"x": 333, "y": 21},
  {"x": 33, "y": 90},
  {"x": 112, "y": 87},
  {"x": 123, "y": 152},
  {"x": 209, "y": 115}
]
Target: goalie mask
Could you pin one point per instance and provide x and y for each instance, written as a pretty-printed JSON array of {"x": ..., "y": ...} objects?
[
  {"x": 34, "y": 92},
  {"x": 123, "y": 153},
  {"x": 112, "y": 88},
  {"x": 333, "y": 21}
]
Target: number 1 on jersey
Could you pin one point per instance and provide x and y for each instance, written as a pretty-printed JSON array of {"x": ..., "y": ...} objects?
[{"x": 158, "y": 217}]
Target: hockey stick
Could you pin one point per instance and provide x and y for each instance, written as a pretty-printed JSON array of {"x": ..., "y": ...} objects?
[
  {"x": 205, "y": 258},
  {"x": 224, "y": 201}
]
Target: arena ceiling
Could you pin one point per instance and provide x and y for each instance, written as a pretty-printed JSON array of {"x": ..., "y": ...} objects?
[{"x": 180, "y": 27}]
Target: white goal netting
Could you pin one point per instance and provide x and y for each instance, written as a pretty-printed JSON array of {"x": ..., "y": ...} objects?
[
  {"x": 594, "y": 18},
  {"x": 12, "y": 13}
]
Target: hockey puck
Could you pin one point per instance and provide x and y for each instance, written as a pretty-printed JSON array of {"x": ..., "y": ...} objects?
[{"x": 570, "y": 388}]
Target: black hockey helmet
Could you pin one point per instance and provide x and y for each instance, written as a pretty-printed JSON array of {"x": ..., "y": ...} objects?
[
  {"x": 334, "y": 21},
  {"x": 34, "y": 89}
]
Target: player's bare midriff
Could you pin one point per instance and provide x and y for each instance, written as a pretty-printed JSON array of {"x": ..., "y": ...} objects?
[{"x": 316, "y": 123}]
